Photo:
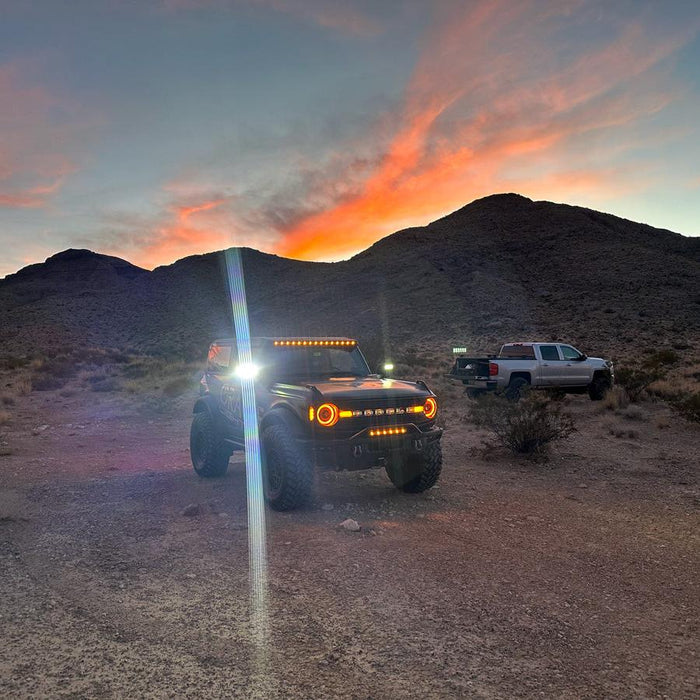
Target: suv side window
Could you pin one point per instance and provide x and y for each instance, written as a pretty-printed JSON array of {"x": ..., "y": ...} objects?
[
  {"x": 569, "y": 353},
  {"x": 549, "y": 352},
  {"x": 219, "y": 359}
]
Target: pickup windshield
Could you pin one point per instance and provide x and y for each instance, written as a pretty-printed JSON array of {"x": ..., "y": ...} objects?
[{"x": 304, "y": 364}]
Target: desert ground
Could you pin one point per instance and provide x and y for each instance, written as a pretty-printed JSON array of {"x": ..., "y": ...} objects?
[{"x": 572, "y": 578}]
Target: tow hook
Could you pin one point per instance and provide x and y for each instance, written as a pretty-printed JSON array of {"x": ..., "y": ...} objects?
[{"x": 357, "y": 451}]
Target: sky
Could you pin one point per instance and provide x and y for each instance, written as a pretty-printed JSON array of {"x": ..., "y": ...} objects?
[{"x": 157, "y": 129}]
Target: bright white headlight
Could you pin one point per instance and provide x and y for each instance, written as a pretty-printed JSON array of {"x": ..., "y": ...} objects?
[
  {"x": 247, "y": 370},
  {"x": 389, "y": 367}
]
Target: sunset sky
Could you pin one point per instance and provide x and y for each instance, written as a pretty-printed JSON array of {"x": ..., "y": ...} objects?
[{"x": 158, "y": 129}]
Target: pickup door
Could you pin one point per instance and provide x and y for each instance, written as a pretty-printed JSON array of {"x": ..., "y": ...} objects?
[
  {"x": 575, "y": 372},
  {"x": 550, "y": 365}
]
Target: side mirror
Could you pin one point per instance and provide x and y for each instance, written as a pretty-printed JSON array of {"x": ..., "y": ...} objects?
[{"x": 582, "y": 357}]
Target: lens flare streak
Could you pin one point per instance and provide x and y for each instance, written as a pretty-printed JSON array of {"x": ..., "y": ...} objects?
[{"x": 257, "y": 543}]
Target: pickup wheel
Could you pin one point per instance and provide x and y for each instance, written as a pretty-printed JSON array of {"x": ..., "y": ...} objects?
[
  {"x": 598, "y": 387},
  {"x": 287, "y": 471},
  {"x": 515, "y": 389},
  {"x": 209, "y": 453},
  {"x": 417, "y": 472}
]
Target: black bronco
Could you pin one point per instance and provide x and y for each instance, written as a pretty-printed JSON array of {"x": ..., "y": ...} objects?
[{"x": 318, "y": 406}]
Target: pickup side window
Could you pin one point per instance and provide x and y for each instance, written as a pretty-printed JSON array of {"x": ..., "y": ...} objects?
[
  {"x": 569, "y": 353},
  {"x": 520, "y": 352},
  {"x": 219, "y": 359},
  {"x": 549, "y": 352}
]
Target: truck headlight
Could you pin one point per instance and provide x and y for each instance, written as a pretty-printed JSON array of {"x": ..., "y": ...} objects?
[{"x": 327, "y": 414}]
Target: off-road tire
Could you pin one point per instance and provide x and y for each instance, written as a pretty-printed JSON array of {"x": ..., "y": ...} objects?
[
  {"x": 598, "y": 387},
  {"x": 287, "y": 470},
  {"x": 516, "y": 387},
  {"x": 418, "y": 472},
  {"x": 209, "y": 453}
]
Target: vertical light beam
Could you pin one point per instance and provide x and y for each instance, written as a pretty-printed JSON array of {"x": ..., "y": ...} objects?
[{"x": 257, "y": 543}]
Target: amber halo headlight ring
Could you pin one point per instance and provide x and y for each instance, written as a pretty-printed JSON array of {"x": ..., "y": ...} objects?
[
  {"x": 327, "y": 415},
  {"x": 430, "y": 408}
]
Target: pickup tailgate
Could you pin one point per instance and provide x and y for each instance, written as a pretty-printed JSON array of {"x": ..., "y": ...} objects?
[{"x": 470, "y": 369}]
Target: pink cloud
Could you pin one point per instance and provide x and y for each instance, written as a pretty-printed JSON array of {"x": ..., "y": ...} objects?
[{"x": 38, "y": 141}]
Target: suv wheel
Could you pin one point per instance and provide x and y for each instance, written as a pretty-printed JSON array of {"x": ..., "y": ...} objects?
[
  {"x": 287, "y": 471},
  {"x": 516, "y": 388},
  {"x": 418, "y": 472},
  {"x": 598, "y": 387},
  {"x": 209, "y": 453}
]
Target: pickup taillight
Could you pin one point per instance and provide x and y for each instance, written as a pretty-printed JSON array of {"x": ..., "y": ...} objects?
[{"x": 493, "y": 369}]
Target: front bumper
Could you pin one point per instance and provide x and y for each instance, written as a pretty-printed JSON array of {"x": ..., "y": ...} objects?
[{"x": 362, "y": 451}]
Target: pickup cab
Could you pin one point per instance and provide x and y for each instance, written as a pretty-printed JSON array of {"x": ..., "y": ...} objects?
[{"x": 519, "y": 366}]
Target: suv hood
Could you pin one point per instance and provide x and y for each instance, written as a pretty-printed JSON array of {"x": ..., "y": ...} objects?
[{"x": 369, "y": 388}]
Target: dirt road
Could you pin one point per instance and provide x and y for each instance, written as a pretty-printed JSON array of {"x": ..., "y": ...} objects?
[{"x": 574, "y": 579}]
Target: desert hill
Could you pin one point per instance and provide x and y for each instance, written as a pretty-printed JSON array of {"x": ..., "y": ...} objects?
[{"x": 502, "y": 267}]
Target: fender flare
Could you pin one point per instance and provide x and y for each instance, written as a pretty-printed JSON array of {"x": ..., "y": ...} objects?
[{"x": 283, "y": 415}]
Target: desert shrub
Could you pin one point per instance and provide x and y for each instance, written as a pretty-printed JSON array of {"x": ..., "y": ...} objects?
[
  {"x": 177, "y": 386},
  {"x": 615, "y": 399},
  {"x": 13, "y": 362},
  {"x": 660, "y": 359},
  {"x": 633, "y": 413},
  {"x": 5, "y": 417},
  {"x": 687, "y": 405},
  {"x": 636, "y": 380},
  {"x": 526, "y": 427},
  {"x": 7, "y": 400},
  {"x": 662, "y": 423},
  {"x": 104, "y": 384},
  {"x": 45, "y": 382}
]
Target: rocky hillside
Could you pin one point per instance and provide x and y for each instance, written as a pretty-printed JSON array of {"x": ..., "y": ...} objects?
[{"x": 503, "y": 267}]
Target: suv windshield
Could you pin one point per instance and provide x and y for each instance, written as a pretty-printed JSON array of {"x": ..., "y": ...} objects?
[{"x": 317, "y": 363}]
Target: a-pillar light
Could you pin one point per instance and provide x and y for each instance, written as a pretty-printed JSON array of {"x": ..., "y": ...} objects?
[{"x": 247, "y": 370}]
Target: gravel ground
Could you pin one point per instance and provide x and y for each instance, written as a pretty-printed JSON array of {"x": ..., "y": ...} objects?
[{"x": 575, "y": 578}]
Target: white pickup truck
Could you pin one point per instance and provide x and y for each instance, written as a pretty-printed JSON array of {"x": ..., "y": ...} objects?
[{"x": 535, "y": 365}]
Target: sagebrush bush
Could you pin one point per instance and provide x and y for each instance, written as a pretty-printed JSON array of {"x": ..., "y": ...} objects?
[
  {"x": 528, "y": 426},
  {"x": 688, "y": 406},
  {"x": 636, "y": 380}
]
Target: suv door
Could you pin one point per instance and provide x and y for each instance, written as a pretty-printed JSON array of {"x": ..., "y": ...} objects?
[
  {"x": 550, "y": 365},
  {"x": 575, "y": 370},
  {"x": 225, "y": 388}
]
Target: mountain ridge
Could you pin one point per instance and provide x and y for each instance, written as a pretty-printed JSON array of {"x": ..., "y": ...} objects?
[{"x": 502, "y": 267}]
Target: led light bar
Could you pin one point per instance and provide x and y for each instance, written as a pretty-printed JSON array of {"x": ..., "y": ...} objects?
[
  {"x": 316, "y": 343},
  {"x": 380, "y": 432}
]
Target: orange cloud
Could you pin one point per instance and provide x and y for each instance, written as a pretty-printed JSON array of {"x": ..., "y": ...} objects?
[
  {"x": 494, "y": 104},
  {"x": 193, "y": 219}
]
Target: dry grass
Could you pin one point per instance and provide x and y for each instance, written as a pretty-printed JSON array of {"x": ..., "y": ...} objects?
[
  {"x": 614, "y": 400},
  {"x": 150, "y": 375},
  {"x": 23, "y": 386}
]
